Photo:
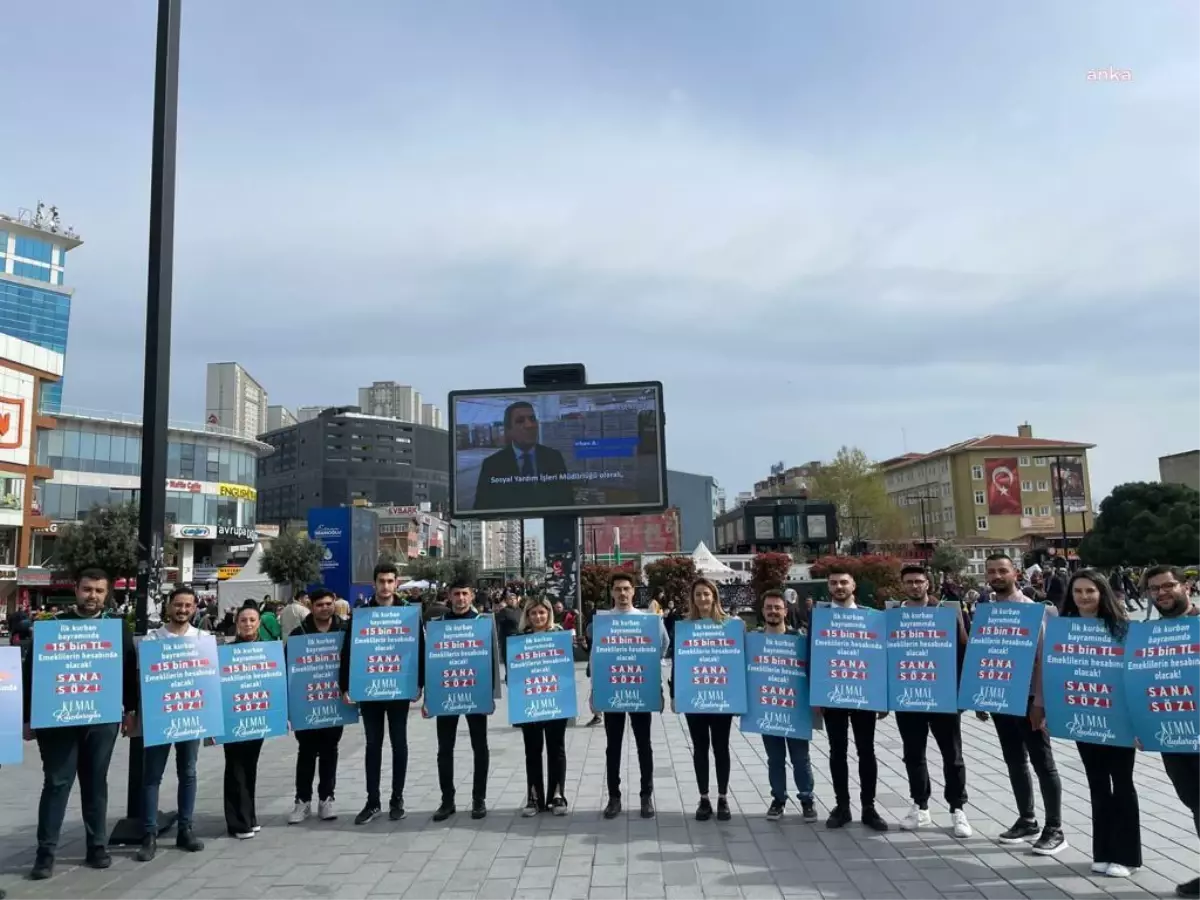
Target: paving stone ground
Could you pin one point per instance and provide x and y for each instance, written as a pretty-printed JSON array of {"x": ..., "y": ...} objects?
[{"x": 583, "y": 856}]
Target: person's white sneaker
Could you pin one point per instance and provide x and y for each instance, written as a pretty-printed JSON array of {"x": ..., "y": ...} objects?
[
  {"x": 1099, "y": 868},
  {"x": 962, "y": 828},
  {"x": 916, "y": 818},
  {"x": 1116, "y": 870},
  {"x": 256, "y": 829},
  {"x": 326, "y": 811},
  {"x": 300, "y": 812},
  {"x": 244, "y": 835}
]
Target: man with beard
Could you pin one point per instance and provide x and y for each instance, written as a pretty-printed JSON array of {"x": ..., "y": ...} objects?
[
  {"x": 915, "y": 728},
  {"x": 1024, "y": 739},
  {"x": 1167, "y": 589}
]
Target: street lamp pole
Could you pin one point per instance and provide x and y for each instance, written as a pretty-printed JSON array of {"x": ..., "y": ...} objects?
[{"x": 1062, "y": 507}]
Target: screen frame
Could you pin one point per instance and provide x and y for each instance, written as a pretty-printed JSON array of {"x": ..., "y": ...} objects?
[{"x": 554, "y": 512}]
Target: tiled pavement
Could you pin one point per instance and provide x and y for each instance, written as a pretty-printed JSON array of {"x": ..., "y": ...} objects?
[{"x": 583, "y": 856}]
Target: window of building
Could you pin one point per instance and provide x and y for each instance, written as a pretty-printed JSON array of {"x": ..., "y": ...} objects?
[
  {"x": 1039, "y": 461},
  {"x": 1043, "y": 510},
  {"x": 977, "y": 473},
  {"x": 981, "y": 523},
  {"x": 1027, "y": 511},
  {"x": 31, "y": 270},
  {"x": 1043, "y": 485},
  {"x": 1023, "y": 461},
  {"x": 32, "y": 248},
  {"x": 980, "y": 499},
  {"x": 1027, "y": 486}
]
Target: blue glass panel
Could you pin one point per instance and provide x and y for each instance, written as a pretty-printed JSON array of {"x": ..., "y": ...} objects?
[
  {"x": 32, "y": 248},
  {"x": 29, "y": 270}
]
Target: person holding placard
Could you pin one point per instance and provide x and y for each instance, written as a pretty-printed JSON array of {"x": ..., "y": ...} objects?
[
  {"x": 180, "y": 608},
  {"x": 707, "y": 729},
  {"x": 241, "y": 757},
  {"x": 538, "y": 618},
  {"x": 82, "y": 751}
]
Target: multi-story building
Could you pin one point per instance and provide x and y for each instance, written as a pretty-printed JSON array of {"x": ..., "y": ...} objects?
[
  {"x": 778, "y": 524},
  {"x": 431, "y": 415},
  {"x": 635, "y": 535},
  {"x": 787, "y": 482},
  {"x": 391, "y": 400},
  {"x": 279, "y": 417},
  {"x": 344, "y": 457},
  {"x": 534, "y": 560},
  {"x": 998, "y": 490},
  {"x": 408, "y": 532},
  {"x": 234, "y": 400},
  {"x": 501, "y": 545},
  {"x": 307, "y": 413},
  {"x": 35, "y": 303},
  {"x": 1180, "y": 468}
]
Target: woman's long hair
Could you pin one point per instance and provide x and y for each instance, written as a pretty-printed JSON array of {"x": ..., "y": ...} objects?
[
  {"x": 718, "y": 611},
  {"x": 538, "y": 600},
  {"x": 1111, "y": 611}
]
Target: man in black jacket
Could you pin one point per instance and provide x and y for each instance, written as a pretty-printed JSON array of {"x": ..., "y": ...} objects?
[
  {"x": 376, "y": 712},
  {"x": 317, "y": 744},
  {"x": 83, "y": 750},
  {"x": 523, "y": 473}
]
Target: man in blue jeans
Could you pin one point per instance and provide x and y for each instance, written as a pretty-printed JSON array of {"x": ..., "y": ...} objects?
[
  {"x": 775, "y": 612},
  {"x": 177, "y": 622}
]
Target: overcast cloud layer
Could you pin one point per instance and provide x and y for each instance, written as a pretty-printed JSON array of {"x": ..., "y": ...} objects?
[{"x": 817, "y": 226}]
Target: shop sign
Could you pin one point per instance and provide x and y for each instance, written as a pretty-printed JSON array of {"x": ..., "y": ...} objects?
[
  {"x": 194, "y": 532},
  {"x": 237, "y": 491},
  {"x": 189, "y": 487},
  {"x": 238, "y": 532}
]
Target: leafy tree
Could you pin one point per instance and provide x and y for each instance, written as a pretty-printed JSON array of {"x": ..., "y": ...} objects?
[
  {"x": 948, "y": 558},
  {"x": 293, "y": 559},
  {"x": 423, "y": 568},
  {"x": 855, "y": 486},
  {"x": 674, "y": 574},
  {"x": 768, "y": 570},
  {"x": 442, "y": 570},
  {"x": 105, "y": 539},
  {"x": 1142, "y": 523},
  {"x": 593, "y": 585}
]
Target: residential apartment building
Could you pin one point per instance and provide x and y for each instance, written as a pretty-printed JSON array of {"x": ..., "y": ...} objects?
[
  {"x": 279, "y": 417},
  {"x": 786, "y": 482},
  {"x": 234, "y": 400},
  {"x": 1180, "y": 468}
]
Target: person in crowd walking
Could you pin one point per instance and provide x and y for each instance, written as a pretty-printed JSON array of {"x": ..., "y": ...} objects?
[
  {"x": 269, "y": 628},
  {"x": 1023, "y": 738},
  {"x": 241, "y": 757},
  {"x": 462, "y": 606},
  {"x": 548, "y": 791},
  {"x": 292, "y": 615},
  {"x": 82, "y": 751},
  {"x": 621, "y": 588},
  {"x": 776, "y": 611},
  {"x": 376, "y": 712},
  {"x": 915, "y": 728},
  {"x": 180, "y": 607},
  {"x": 1116, "y": 821},
  {"x": 317, "y": 746},
  {"x": 708, "y": 729}
]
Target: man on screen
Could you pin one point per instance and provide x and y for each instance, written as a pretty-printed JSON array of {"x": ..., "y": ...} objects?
[{"x": 512, "y": 477}]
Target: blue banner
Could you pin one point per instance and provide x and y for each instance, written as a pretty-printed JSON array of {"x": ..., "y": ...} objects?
[
  {"x": 314, "y": 698},
  {"x": 12, "y": 743},
  {"x": 331, "y": 526},
  {"x": 998, "y": 667},
  {"x": 1162, "y": 682},
  {"x": 181, "y": 689},
  {"x": 1083, "y": 683},
  {"x": 458, "y": 667},
  {"x": 710, "y": 666},
  {"x": 849, "y": 659},
  {"x": 922, "y": 649},
  {"x": 541, "y": 677},
  {"x": 627, "y": 663},
  {"x": 77, "y": 672},
  {"x": 777, "y": 686},
  {"x": 253, "y": 690},
  {"x": 384, "y": 653}
]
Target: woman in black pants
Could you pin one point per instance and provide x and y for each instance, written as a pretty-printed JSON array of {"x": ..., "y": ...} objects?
[
  {"x": 707, "y": 729},
  {"x": 536, "y": 618},
  {"x": 241, "y": 758},
  {"x": 1116, "y": 828}
]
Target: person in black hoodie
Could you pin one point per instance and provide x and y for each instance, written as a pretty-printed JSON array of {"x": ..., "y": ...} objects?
[
  {"x": 376, "y": 712},
  {"x": 317, "y": 744},
  {"x": 83, "y": 750},
  {"x": 241, "y": 757},
  {"x": 462, "y": 606}
]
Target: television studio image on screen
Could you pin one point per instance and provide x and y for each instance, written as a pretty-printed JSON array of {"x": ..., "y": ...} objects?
[{"x": 558, "y": 451}]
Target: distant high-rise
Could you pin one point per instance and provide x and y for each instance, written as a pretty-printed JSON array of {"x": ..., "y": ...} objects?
[
  {"x": 305, "y": 413},
  {"x": 431, "y": 415},
  {"x": 395, "y": 401},
  {"x": 234, "y": 400},
  {"x": 279, "y": 417}
]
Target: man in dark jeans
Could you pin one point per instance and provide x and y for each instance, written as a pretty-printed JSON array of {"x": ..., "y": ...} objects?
[
  {"x": 376, "y": 712},
  {"x": 1024, "y": 739},
  {"x": 79, "y": 750}
]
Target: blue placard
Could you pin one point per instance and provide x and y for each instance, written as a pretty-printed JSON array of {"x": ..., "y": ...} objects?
[
  {"x": 998, "y": 666},
  {"x": 181, "y": 689},
  {"x": 12, "y": 743},
  {"x": 541, "y": 677},
  {"x": 77, "y": 672},
  {"x": 710, "y": 666},
  {"x": 253, "y": 690},
  {"x": 1083, "y": 683},
  {"x": 1162, "y": 682},
  {"x": 777, "y": 686},
  {"x": 627, "y": 663},
  {"x": 314, "y": 698},
  {"x": 922, "y": 649},
  {"x": 384, "y": 653},
  {"x": 849, "y": 659},
  {"x": 458, "y": 667}
]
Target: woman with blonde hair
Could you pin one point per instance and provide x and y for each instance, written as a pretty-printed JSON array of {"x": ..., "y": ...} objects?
[
  {"x": 341, "y": 608},
  {"x": 708, "y": 729},
  {"x": 537, "y": 617}
]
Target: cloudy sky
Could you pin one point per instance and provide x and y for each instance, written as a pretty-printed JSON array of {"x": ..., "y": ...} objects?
[{"x": 818, "y": 224}]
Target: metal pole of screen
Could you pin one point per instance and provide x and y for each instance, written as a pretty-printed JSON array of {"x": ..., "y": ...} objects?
[
  {"x": 157, "y": 374},
  {"x": 1062, "y": 508}
]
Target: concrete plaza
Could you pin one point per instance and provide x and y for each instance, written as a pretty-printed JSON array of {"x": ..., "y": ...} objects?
[{"x": 584, "y": 856}]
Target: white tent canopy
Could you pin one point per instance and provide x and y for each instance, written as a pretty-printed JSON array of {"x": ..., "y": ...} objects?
[
  {"x": 248, "y": 584},
  {"x": 413, "y": 586},
  {"x": 708, "y": 565}
]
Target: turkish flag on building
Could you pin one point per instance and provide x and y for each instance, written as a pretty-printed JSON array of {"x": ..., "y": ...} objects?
[{"x": 1003, "y": 486}]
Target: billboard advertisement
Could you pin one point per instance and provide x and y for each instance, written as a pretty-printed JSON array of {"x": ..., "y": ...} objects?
[
  {"x": 1003, "y": 486},
  {"x": 351, "y": 539},
  {"x": 649, "y": 533},
  {"x": 594, "y": 450},
  {"x": 1066, "y": 480}
]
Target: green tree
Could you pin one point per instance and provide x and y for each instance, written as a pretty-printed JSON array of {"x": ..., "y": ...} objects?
[
  {"x": 1141, "y": 523},
  {"x": 855, "y": 486},
  {"x": 293, "y": 559},
  {"x": 442, "y": 570},
  {"x": 105, "y": 539},
  {"x": 674, "y": 574},
  {"x": 947, "y": 558},
  {"x": 767, "y": 571},
  {"x": 593, "y": 585}
]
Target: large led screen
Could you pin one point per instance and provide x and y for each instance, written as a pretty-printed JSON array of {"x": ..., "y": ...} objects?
[{"x": 521, "y": 453}]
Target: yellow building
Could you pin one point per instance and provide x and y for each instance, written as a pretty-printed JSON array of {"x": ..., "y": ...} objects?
[{"x": 995, "y": 492}]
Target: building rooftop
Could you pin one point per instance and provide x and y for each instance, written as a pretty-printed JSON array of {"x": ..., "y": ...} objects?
[
  {"x": 68, "y": 414},
  {"x": 987, "y": 442},
  {"x": 42, "y": 222}
]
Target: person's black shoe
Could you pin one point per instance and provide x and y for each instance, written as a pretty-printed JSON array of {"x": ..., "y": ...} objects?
[
  {"x": 703, "y": 810},
  {"x": 1188, "y": 888},
  {"x": 1021, "y": 831},
  {"x": 613, "y": 809},
  {"x": 149, "y": 848},
  {"x": 595, "y": 721},
  {"x": 839, "y": 817},
  {"x": 396, "y": 809},
  {"x": 43, "y": 867},
  {"x": 187, "y": 841},
  {"x": 723, "y": 813},
  {"x": 775, "y": 811},
  {"x": 478, "y": 809},
  {"x": 647, "y": 807},
  {"x": 98, "y": 858},
  {"x": 873, "y": 820},
  {"x": 809, "y": 810},
  {"x": 445, "y": 811},
  {"x": 368, "y": 814},
  {"x": 1051, "y": 843},
  {"x": 982, "y": 716}
]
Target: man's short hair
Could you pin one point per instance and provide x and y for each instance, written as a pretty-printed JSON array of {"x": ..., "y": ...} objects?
[
  {"x": 179, "y": 591},
  {"x": 513, "y": 407},
  {"x": 320, "y": 594},
  {"x": 621, "y": 576},
  {"x": 460, "y": 584},
  {"x": 996, "y": 557},
  {"x": 838, "y": 569},
  {"x": 1154, "y": 571},
  {"x": 914, "y": 570},
  {"x": 773, "y": 593},
  {"x": 384, "y": 567},
  {"x": 93, "y": 573}
]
